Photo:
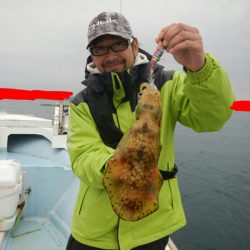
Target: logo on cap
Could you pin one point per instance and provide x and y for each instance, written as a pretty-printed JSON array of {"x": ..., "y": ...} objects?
[{"x": 101, "y": 22}]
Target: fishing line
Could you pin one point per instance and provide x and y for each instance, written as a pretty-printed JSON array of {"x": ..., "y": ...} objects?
[{"x": 120, "y": 6}]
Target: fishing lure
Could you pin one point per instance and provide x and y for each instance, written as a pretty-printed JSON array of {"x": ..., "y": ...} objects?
[
  {"x": 156, "y": 58},
  {"x": 152, "y": 64}
]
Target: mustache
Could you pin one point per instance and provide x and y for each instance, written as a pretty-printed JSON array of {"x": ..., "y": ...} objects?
[{"x": 113, "y": 61}]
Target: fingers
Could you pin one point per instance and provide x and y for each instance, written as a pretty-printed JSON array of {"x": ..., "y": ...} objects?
[
  {"x": 160, "y": 40},
  {"x": 179, "y": 36},
  {"x": 191, "y": 45},
  {"x": 184, "y": 40}
]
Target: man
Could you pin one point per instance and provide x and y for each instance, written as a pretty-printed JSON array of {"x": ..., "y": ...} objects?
[{"x": 199, "y": 98}]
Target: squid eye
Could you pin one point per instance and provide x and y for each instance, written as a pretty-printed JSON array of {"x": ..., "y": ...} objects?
[{"x": 143, "y": 86}]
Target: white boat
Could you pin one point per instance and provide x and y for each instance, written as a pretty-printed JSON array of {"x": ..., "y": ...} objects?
[{"x": 38, "y": 176}]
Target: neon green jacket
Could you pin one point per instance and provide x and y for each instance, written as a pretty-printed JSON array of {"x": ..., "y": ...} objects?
[{"x": 199, "y": 100}]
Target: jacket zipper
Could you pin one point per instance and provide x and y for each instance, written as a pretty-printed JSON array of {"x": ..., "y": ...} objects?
[
  {"x": 117, "y": 118},
  {"x": 80, "y": 209}
]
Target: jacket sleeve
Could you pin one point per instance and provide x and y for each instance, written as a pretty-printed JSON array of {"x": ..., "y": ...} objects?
[
  {"x": 201, "y": 100},
  {"x": 88, "y": 153}
]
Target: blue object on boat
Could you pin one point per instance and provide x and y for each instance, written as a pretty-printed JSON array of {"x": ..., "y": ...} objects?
[{"x": 46, "y": 221}]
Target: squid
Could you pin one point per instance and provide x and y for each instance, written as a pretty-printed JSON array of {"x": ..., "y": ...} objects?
[{"x": 132, "y": 178}]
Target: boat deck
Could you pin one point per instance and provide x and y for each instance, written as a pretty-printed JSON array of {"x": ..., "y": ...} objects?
[
  {"x": 35, "y": 233},
  {"x": 41, "y": 234},
  {"x": 47, "y": 213}
]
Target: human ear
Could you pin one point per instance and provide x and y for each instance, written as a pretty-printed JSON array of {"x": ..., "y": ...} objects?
[{"x": 135, "y": 46}]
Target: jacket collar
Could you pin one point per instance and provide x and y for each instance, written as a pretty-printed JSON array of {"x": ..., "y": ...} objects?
[{"x": 111, "y": 84}]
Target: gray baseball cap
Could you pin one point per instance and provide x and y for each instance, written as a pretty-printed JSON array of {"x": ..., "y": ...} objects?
[{"x": 109, "y": 23}]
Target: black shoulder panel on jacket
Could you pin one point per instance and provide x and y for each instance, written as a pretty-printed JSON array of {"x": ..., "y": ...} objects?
[
  {"x": 80, "y": 97},
  {"x": 161, "y": 76}
]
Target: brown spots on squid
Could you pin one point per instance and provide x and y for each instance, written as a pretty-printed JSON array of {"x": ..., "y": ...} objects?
[{"x": 132, "y": 178}]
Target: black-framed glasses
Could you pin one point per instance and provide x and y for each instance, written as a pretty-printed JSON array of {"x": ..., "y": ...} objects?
[{"x": 116, "y": 47}]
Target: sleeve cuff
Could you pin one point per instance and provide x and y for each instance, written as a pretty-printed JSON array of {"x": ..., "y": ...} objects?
[{"x": 204, "y": 73}]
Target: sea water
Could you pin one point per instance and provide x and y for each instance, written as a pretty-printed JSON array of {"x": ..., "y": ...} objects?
[{"x": 214, "y": 179}]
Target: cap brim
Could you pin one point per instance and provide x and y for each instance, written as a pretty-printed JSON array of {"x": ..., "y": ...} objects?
[{"x": 119, "y": 34}]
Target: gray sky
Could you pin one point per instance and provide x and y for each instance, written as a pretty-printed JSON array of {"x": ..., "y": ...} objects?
[{"x": 42, "y": 42}]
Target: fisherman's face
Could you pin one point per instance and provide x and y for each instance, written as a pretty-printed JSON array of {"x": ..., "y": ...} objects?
[{"x": 114, "y": 61}]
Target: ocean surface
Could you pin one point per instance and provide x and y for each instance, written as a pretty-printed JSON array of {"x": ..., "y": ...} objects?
[{"x": 214, "y": 179}]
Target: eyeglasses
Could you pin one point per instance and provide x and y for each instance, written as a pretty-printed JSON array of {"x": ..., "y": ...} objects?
[{"x": 116, "y": 47}]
